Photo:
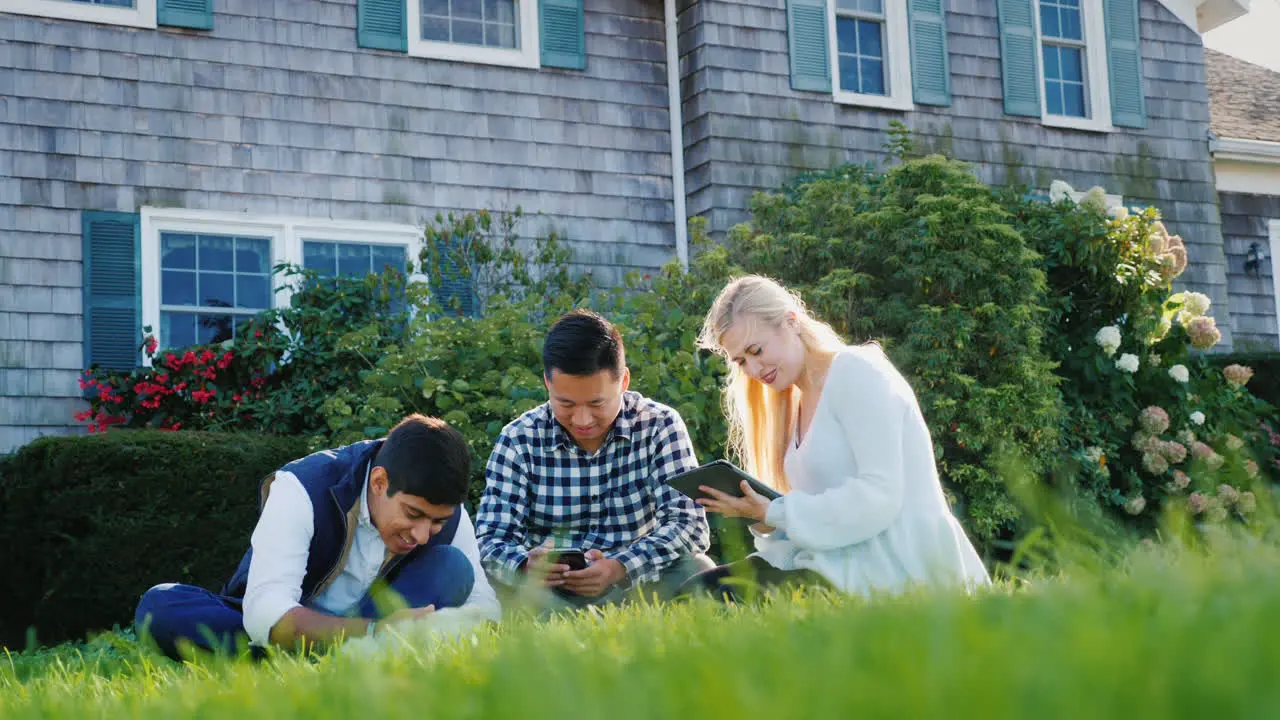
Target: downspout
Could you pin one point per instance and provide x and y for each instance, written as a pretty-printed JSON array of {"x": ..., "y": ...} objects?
[{"x": 677, "y": 133}]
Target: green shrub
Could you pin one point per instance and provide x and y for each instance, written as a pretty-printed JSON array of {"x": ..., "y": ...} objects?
[
  {"x": 272, "y": 377},
  {"x": 921, "y": 258},
  {"x": 91, "y": 522},
  {"x": 1149, "y": 419}
]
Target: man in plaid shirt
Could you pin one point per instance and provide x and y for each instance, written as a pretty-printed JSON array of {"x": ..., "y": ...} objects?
[{"x": 589, "y": 470}]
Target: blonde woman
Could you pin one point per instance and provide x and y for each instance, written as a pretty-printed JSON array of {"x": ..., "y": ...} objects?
[{"x": 837, "y": 430}]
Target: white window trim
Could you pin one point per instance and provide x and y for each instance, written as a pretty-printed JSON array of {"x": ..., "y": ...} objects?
[
  {"x": 142, "y": 14},
  {"x": 526, "y": 56},
  {"x": 1274, "y": 226},
  {"x": 1096, "y": 75},
  {"x": 286, "y": 236},
  {"x": 897, "y": 57}
]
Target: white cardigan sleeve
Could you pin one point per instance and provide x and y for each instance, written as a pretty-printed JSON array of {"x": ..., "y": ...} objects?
[{"x": 870, "y": 403}]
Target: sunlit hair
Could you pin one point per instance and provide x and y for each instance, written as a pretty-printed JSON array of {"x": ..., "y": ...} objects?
[{"x": 760, "y": 418}]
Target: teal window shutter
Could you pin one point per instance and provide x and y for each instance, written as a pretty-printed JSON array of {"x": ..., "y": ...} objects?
[
  {"x": 194, "y": 14},
  {"x": 1124, "y": 64},
  {"x": 930, "y": 66},
  {"x": 562, "y": 34},
  {"x": 112, "y": 288},
  {"x": 381, "y": 25},
  {"x": 807, "y": 43},
  {"x": 1019, "y": 57}
]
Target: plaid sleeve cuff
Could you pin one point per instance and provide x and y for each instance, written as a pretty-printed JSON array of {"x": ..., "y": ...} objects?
[
  {"x": 505, "y": 564},
  {"x": 641, "y": 568}
]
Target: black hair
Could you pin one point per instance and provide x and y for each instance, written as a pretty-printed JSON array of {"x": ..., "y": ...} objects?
[
  {"x": 583, "y": 343},
  {"x": 426, "y": 457}
]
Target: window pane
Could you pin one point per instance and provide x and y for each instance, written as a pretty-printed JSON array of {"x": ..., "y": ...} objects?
[
  {"x": 500, "y": 11},
  {"x": 215, "y": 253},
  {"x": 1052, "y": 70},
  {"x": 872, "y": 77},
  {"x": 1053, "y": 97},
  {"x": 849, "y": 73},
  {"x": 869, "y": 39},
  {"x": 321, "y": 257},
  {"x": 353, "y": 259},
  {"x": 214, "y": 328},
  {"x": 1049, "y": 25},
  {"x": 1073, "y": 100},
  {"x": 470, "y": 33},
  {"x": 253, "y": 291},
  {"x": 177, "y": 329},
  {"x": 217, "y": 289},
  {"x": 469, "y": 9},
  {"x": 112, "y": 3},
  {"x": 435, "y": 28},
  {"x": 1071, "y": 24},
  {"x": 253, "y": 255},
  {"x": 177, "y": 251},
  {"x": 439, "y": 8},
  {"x": 846, "y": 36},
  {"x": 177, "y": 287},
  {"x": 1072, "y": 64},
  {"x": 500, "y": 35},
  {"x": 872, "y": 6},
  {"x": 388, "y": 255}
]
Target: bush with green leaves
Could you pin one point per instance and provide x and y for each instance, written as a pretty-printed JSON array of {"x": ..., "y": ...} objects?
[
  {"x": 272, "y": 377},
  {"x": 93, "y": 521},
  {"x": 1149, "y": 419},
  {"x": 921, "y": 257}
]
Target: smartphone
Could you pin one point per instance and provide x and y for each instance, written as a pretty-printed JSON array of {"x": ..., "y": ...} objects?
[{"x": 573, "y": 557}]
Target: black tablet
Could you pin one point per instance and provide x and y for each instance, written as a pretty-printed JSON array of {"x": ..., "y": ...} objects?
[{"x": 721, "y": 475}]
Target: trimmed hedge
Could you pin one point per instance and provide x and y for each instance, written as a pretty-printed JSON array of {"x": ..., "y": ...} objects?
[{"x": 89, "y": 523}]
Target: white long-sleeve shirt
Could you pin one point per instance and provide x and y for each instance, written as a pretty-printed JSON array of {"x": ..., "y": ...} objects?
[
  {"x": 866, "y": 509},
  {"x": 281, "y": 543}
]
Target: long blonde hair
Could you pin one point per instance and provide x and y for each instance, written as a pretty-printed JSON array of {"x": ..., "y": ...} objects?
[{"x": 760, "y": 418}]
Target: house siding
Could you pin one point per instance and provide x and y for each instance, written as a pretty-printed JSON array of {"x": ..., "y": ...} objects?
[
  {"x": 1245, "y": 220},
  {"x": 747, "y": 130},
  {"x": 277, "y": 112}
]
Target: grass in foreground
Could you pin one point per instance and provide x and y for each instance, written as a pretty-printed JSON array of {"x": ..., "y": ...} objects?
[{"x": 1171, "y": 634}]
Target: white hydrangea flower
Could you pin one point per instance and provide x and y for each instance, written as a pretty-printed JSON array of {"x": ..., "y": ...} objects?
[
  {"x": 1197, "y": 417},
  {"x": 1196, "y": 304},
  {"x": 1059, "y": 190},
  {"x": 1153, "y": 360},
  {"x": 1108, "y": 338},
  {"x": 1128, "y": 362},
  {"x": 1180, "y": 373}
]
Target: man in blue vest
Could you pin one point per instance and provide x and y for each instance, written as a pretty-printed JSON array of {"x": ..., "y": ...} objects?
[{"x": 348, "y": 541}]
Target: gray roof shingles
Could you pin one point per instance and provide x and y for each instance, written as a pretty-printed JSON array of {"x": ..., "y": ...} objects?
[{"x": 1244, "y": 99}]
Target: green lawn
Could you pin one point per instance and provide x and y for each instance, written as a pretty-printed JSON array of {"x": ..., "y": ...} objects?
[{"x": 1166, "y": 634}]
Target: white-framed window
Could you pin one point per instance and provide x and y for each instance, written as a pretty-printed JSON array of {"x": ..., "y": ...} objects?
[
  {"x": 871, "y": 47},
  {"x": 1074, "y": 91},
  {"x": 203, "y": 273},
  {"x": 134, "y": 13},
  {"x": 1273, "y": 251},
  {"x": 494, "y": 32}
]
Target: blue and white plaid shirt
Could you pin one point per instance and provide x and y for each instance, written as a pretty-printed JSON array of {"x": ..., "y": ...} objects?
[{"x": 540, "y": 483}]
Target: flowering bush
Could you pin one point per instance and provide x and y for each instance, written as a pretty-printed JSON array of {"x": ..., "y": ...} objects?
[
  {"x": 273, "y": 377},
  {"x": 1158, "y": 425}
]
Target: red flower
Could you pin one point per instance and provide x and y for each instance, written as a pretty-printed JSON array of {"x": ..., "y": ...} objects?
[
  {"x": 93, "y": 428},
  {"x": 84, "y": 384},
  {"x": 257, "y": 333},
  {"x": 180, "y": 387},
  {"x": 189, "y": 357},
  {"x": 235, "y": 398},
  {"x": 151, "y": 345},
  {"x": 162, "y": 378},
  {"x": 177, "y": 426},
  {"x": 207, "y": 356},
  {"x": 82, "y": 416}
]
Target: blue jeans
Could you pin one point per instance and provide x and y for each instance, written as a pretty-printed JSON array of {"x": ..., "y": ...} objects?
[{"x": 440, "y": 576}]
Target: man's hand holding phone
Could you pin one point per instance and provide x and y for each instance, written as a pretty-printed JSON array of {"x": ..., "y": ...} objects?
[{"x": 600, "y": 574}]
